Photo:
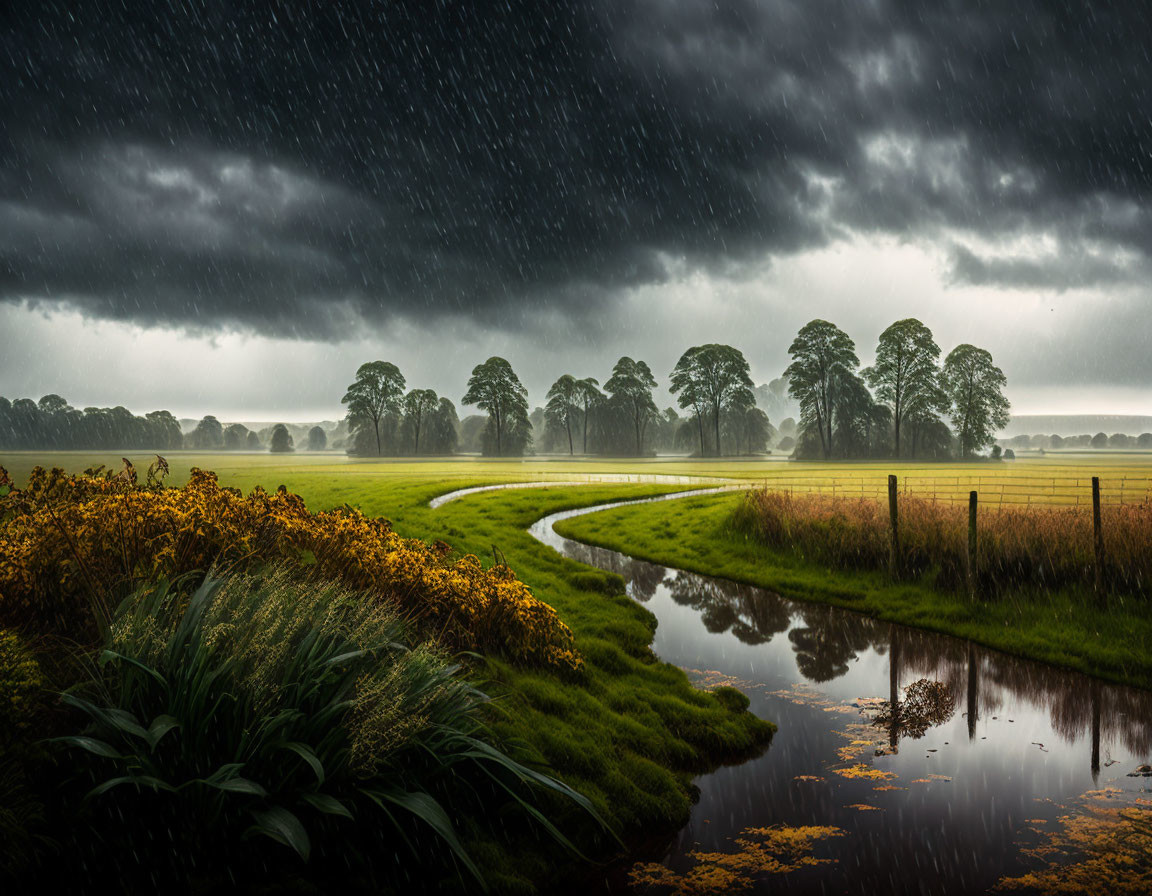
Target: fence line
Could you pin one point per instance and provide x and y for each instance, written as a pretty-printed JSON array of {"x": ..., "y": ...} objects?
[{"x": 1009, "y": 490}]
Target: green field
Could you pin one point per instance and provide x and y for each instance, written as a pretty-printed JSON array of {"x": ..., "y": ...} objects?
[
  {"x": 1060, "y": 478},
  {"x": 634, "y": 732}
]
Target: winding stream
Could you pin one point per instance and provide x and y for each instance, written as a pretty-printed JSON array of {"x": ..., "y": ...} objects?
[{"x": 985, "y": 756}]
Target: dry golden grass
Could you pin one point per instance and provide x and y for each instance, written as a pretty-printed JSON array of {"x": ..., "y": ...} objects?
[{"x": 1038, "y": 546}]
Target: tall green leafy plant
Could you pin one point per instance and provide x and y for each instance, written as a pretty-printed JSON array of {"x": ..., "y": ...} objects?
[{"x": 257, "y": 707}]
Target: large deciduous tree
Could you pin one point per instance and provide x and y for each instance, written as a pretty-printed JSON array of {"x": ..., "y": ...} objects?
[
  {"x": 564, "y": 402},
  {"x": 418, "y": 407},
  {"x": 975, "y": 387},
  {"x": 906, "y": 375},
  {"x": 631, "y": 385},
  {"x": 590, "y": 394},
  {"x": 711, "y": 378},
  {"x": 823, "y": 365},
  {"x": 495, "y": 388},
  {"x": 372, "y": 399},
  {"x": 443, "y": 428}
]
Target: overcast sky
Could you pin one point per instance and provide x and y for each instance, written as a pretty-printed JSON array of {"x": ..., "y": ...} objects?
[{"x": 221, "y": 212}]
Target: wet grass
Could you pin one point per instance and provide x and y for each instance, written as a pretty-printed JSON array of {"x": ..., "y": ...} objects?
[
  {"x": 630, "y": 734},
  {"x": 1059, "y": 627},
  {"x": 1057, "y": 478}
]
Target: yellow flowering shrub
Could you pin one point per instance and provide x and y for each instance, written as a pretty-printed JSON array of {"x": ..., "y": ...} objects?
[
  {"x": 69, "y": 544},
  {"x": 21, "y": 685}
]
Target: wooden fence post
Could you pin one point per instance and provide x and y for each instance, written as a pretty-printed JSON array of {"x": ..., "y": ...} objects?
[
  {"x": 894, "y": 541},
  {"x": 971, "y": 567},
  {"x": 1097, "y": 544}
]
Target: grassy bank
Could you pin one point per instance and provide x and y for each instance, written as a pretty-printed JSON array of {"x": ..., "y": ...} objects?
[
  {"x": 629, "y": 732},
  {"x": 697, "y": 534}
]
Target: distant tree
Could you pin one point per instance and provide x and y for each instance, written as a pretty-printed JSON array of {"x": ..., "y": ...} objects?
[
  {"x": 418, "y": 405},
  {"x": 1058, "y": 441},
  {"x": 443, "y": 428},
  {"x": 906, "y": 375},
  {"x": 208, "y": 435},
  {"x": 590, "y": 394},
  {"x": 665, "y": 431},
  {"x": 997, "y": 452},
  {"x": 165, "y": 431},
  {"x": 253, "y": 441},
  {"x": 860, "y": 423},
  {"x": 372, "y": 400},
  {"x": 1009, "y": 454},
  {"x": 975, "y": 388},
  {"x": 317, "y": 439},
  {"x": 1119, "y": 440},
  {"x": 1100, "y": 440},
  {"x": 786, "y": 444},
  {"x": 823, "y": 362},
  {"x": 631, "y": 385},
  {"x": 235, "y": 436},
  {"x": 565, "y": 399},
  {"x": 1144, "y": 440},
  {"x": 538, "y": 423},
  {"x": 712, "y": 378},
  {"x": 748, "y": 429},
  {"x": 281, "y": 442},
  {"x": 471, "y": 432},
  {"x": 495, "y": 388}
]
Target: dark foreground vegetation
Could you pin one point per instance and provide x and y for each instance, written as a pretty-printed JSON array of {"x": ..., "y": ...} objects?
[{"x": 206, "y": 690}]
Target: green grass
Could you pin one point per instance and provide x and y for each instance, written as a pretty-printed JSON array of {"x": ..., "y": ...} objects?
[
  {"x": 629, "y": 735},
  {"x": 695, "y": 534},
  {"x": 1060, "y": 478},
  {"x": 634, "y": 732}
]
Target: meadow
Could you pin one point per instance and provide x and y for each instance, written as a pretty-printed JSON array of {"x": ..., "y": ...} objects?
[
  {"x": 1057, "y": 478},
  {"x": 629, "y": 732}
]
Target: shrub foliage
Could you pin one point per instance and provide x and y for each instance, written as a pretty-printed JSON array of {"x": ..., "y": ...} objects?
[
  {"x": 263, "y": 707},
  {"x": 71, "y": 545}
]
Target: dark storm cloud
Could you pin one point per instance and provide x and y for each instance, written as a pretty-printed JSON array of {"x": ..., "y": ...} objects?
[{"x": 291, "y": 172}]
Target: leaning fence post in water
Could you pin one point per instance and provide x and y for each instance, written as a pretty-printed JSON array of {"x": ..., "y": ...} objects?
[
  {"x": 971, "y": 566},
  {"x": 1097, "y": 543},
  {"x": 894, "y": 540}
]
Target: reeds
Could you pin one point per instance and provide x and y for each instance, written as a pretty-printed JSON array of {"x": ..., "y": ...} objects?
[{"x": 1019, "y": 547}]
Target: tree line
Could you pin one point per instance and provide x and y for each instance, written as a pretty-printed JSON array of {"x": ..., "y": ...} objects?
[
  {"x": 907, "y": 404},
  {"x": 51, "y": 424}
]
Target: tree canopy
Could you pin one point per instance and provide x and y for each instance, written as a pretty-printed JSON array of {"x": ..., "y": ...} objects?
[
  {"x": 906, "y": 375},
  {"x": 823, "y": 365},
  {"x": 631, "y": 386},
  {"x": 565, "y": 400},
  {"x": 495, "y": 388},
  {"x": 710, "y": 379},
  {"x": 975, "y": 387},
  {"x": 372, "y": 401},
  {"x": 317, "y": 439},
  {"x": 417, "y": 408},
  {"x": 281, "y": 441}
]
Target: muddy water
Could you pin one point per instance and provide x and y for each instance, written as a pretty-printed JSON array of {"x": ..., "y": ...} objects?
[{"x": 905, "y": 762}]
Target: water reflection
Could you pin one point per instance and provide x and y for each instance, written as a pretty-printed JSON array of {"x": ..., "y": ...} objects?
[
  {"x": 933, "y": 755},
  {"x": 827, "y": 640},
  {"x": 926, "y": 704}
]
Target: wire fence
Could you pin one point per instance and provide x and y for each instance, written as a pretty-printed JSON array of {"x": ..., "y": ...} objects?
[{"x": 994, "y": 490}]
